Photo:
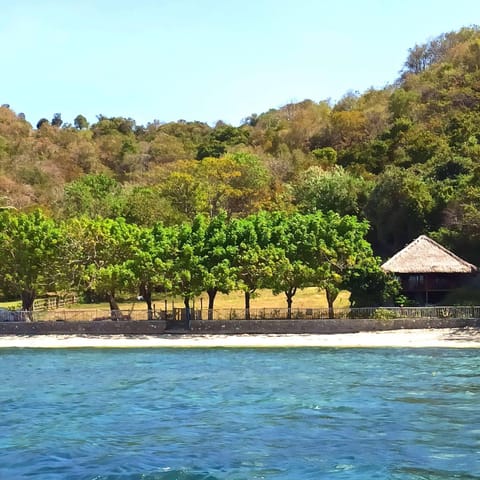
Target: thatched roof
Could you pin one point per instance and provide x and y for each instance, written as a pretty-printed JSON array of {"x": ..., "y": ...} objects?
[{"x": 424, "y": 255}]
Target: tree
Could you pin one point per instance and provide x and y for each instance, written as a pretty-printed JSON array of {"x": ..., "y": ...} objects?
[
  {"x": 31, "y": 245},
  {"x": 101, "y": 255},
  {"x": 106, "y": 125},
  {"x": 152, "y": 261},
  {"x": 348, "y": 128},
  {"x": 220, "y": 139},
  {"x": 253, "y": 185},
  {"x": 164, "y": 148},
  {"x": 217, "y": 176},
  {"x": 187, "y": 269},
  {"x": 213, "y": 250},
  {"x": 402, "y": 103},
  {"x": 190, "y": 134},
  {"x": 322, "y": 249},
  {"x": 436, "y": 50},
  {"x": 418, "y": 145},
  {"x": 41, "y": 122},
  {"x": 57, "y": 120},
  {"x": 92, "y": 195},
  {"x": 419, "y": 58},
  {"x": 338, "y": 248},
  {"x": 369, "y": 285},
  {"x": 146, "y": 206},
  {"x": 294, "y": 242},
  {"x": 80, "y": 122},
  {"x": 253, "y": 256},
  {"x": 398, "y": 208},
  {"x": 326, "y": 157},
  {"x": 235, "y": 183},
  {"x": 459, "y": 228},
  {"x": 336, "y": 190},
  {"x": 184, "y": 192}
]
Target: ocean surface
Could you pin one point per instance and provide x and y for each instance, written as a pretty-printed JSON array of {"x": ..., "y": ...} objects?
[{"x": 211, "y": 414}]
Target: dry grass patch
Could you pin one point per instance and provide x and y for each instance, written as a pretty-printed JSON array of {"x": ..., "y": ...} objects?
[{"x": 307, "y": 298}]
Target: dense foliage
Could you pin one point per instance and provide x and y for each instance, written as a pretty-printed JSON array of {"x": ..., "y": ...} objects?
[
  {"x": 102, "y": 257},
  {"x": 405, "y": 158}
]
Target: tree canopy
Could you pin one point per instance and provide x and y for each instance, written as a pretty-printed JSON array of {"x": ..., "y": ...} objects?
[{"x": 31, "y": 248}]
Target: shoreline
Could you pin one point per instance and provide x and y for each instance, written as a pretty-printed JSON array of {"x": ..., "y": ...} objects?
[{"x": 421, "y": 338}]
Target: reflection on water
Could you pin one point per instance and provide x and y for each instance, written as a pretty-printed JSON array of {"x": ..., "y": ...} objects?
[{"x": 240, "y": 414}]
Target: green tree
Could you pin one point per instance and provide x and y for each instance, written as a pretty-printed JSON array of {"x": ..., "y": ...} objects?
[
  {"x": 222, "y": 137},
  {"x": 369, "y": 285},
  {"x": 108, "y": 125},
  {"x": 151, "y": 262},
  {"x": 92, "y": 195},
  {"x": 291, "y": 236},
  {"x": 80, "y": 122},
  {"x": 338, "y": 248},
  {"x": 253, "y": 255},
  {"x": 101, "y": 255},
  {"x": 146, "y": 206},
  {"x": 188, "y": 273},
  {"x": 325, "y": 157},
  {"x": 459, "y": 229},
  {"x": 402, "y": 103},
  {"x": 31, "y": 247},
  {"x": 215, "y": 259},
  {"x": 336, "y": 190},
  {"x": 399, "y": 208}
]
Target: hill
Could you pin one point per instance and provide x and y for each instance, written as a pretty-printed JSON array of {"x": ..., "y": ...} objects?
[{"x": 405, "y": 157}]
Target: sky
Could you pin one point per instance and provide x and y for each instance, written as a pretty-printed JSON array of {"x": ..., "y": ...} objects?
[{"x": 206, "y": 60}]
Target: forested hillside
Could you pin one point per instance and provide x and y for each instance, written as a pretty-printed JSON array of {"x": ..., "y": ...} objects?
[{"x": 406, "y": 158}]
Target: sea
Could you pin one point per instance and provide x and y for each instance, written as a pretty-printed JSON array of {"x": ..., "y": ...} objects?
[{"x": 239, "y": 413}]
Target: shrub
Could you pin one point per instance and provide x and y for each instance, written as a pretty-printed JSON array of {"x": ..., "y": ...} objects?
[{"x": 384, "y": 314}]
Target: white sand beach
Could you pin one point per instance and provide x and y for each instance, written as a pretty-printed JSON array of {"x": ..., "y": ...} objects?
[{"x": 433, "y": 338}]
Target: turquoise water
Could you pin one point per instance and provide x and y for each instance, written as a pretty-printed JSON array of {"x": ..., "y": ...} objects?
[{"x": 215, "y": 414}]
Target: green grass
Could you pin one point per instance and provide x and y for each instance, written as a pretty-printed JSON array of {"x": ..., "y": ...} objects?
[{"x": 16, "y": 305}]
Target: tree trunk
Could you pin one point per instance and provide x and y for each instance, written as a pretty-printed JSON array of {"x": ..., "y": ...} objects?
[
  {"x": 186, "y": 302},
  {"x": 290, "y": 294},
  {"x": 247, "y": 305},
  {"x": 28, "y": 297},
  {"x": 115, "y": 311},
  {"x": 146, "y": 294},
  {"x": 211, "y": 301},
  {"x": 332, "y": 294}
]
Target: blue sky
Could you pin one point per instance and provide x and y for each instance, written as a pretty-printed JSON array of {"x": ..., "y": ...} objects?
[{"x": 206, "y": 60}]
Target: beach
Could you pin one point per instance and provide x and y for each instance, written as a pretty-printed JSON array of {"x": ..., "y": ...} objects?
[{"x": 431, "y": 338}]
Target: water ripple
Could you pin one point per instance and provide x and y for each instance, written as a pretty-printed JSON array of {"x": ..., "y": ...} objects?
[{"x": 219, "y": 414}]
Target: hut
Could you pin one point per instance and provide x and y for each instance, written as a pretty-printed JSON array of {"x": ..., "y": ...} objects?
[{"x": 428, "y": 271}]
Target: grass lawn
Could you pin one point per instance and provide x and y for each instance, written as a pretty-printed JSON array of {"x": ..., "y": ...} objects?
[
  {"x": 11, "y": 305},
  {"x": 307, "y": 298}
]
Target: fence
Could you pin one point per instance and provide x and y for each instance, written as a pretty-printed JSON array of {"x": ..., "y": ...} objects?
[
  {"x": 52, "y": 303},
  {"x": 339, "y": 313},
  {"x": 86, "y": 315},
  {"x": 179, "y": 314}
]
